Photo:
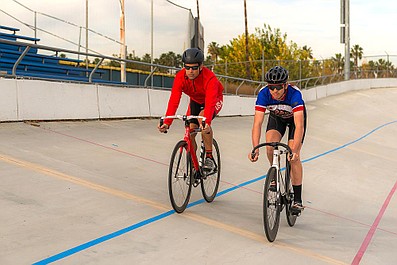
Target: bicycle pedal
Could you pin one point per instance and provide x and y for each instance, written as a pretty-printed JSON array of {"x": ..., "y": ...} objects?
[
  {"x": 196, "y": 182},
  {"x": 296, "y": 213},
  {"x": 197, "y": 175}
]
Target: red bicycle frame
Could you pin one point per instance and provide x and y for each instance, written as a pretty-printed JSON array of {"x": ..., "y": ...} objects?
[{"x": 188, "y": 132}]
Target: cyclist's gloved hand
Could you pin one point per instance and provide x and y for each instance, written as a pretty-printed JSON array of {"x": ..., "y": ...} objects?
[
  {"x": 163, "y": 128},
  {"x": 206, "y": 129},
  {"x": 294, "y": 157},
  {"x": 253, "y": 157}
]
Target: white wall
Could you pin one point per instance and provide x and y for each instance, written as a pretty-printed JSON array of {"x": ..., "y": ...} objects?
[
  {"x": 8, "y": 100},
  {"x": 42, "y": 100},
  {"x": 342, "y": 87},
  {"x": 38, "y": 100}
]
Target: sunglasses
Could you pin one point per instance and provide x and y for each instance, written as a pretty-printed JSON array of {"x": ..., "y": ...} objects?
[
  {"x": 191, "y": 67},
  {"x": 277, "y": 87}
]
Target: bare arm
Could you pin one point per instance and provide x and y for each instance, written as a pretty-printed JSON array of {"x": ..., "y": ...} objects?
[
  {"x": 298, "y": 135},
  {"x": 256, "y": 132}
]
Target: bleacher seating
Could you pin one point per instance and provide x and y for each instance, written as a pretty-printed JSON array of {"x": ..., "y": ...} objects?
[
  {"x": 38, "y": 65},
  {"x": 9, "y": 28}
]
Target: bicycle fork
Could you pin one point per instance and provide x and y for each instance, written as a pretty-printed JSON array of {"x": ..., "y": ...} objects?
[{"x": 276, "y": 164}]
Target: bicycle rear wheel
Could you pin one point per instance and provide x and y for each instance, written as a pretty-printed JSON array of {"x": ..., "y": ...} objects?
[
  {"x": 289, "y": 194},
  {"x": 271, "y": 206},
  {"x": 180, "y": 177},
  {"x": 210, "y": 182}
]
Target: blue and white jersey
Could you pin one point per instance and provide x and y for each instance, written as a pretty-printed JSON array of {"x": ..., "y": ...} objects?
[{"x": 284, "y": 108}]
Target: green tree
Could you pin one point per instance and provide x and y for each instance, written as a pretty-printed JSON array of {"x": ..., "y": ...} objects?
[
  {"x": 169, "y": 59},
  {"x": 266, "y": 45},
  {"x": 356, "y": 52},
  {"x": 114, "y": 63},
  {"x": 338, "y": 63},
  {"x": 306, "y": 53},
  {"x": 214, "y": 50},
  {"x": 96, "y": 61},
  {"x": 146, "y": 58}
]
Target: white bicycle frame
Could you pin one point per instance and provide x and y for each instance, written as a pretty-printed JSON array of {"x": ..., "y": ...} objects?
[{"x": 276, "y": 164}]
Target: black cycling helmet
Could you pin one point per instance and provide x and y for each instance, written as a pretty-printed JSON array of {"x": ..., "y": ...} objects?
[
  {"x": 276, "y": 75},
  {"x": 193, "y": 55}
]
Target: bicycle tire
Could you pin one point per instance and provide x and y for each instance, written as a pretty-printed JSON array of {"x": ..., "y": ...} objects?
[
  {"x": 271, "y": 206},
  {"x": 291, "y": 219},
  {"x": 210, "y": 184},
  {"x": 180, "y": 177}
]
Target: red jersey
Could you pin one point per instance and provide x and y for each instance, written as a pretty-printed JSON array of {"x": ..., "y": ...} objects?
[{"x": 204, "y": 89}]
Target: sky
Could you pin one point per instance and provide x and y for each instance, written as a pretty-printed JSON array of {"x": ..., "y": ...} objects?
[{"x": 315, "y": 23}]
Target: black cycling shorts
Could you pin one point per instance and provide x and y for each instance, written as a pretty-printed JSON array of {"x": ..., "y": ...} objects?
[
  {"x": 195, "y": 109},
  {"x": 279, "y": 124}
]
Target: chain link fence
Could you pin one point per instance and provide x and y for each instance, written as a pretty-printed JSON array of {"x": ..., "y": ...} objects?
[{"x": 303, "y": 73}]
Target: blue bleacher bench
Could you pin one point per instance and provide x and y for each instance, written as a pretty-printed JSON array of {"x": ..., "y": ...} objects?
[
  {"x": 9, "y": 28},
  {"x": 35, "y": 56},
  {"x": 6, "y": 63},
  {"x": 14, "y": 37}
]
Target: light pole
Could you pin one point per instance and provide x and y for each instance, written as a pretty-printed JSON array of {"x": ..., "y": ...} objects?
[
  {"x": 122, "y": 46},
  {"x": 247, "y": 66},
  {"x": 387, "y": 73},
  {"x": 345, "y": 34},
  {"x": 151, "y": 42},
  {"x": 86, "y": 33},
  {"x": 151, "y": 32}
]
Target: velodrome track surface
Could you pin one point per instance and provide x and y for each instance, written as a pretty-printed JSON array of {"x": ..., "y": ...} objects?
[{"x": 95, "y": 192}]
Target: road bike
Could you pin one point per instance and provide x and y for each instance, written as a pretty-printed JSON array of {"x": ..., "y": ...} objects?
[
  {"x": 277, "y": 191},
  {"x": 185, "y": 169}
]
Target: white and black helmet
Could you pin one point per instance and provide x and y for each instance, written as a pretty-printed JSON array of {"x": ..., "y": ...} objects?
[{"x": 276, "y": 75}]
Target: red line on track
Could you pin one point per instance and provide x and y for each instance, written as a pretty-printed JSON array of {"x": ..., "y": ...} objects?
[
  {"x": 374, "y": 226},
  {"x": 104, "y": 146}
]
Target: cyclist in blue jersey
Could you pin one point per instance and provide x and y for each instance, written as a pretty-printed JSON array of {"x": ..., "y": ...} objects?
[{"x": 287, "y": 109}]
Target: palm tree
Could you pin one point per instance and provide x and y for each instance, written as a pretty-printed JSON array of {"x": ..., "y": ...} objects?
[
  {"x": 214, "y": 50},
  {"x": 357, "y": 53},
  {"x": 339, "y": 62},
  {"x": 307, "y": 51}
]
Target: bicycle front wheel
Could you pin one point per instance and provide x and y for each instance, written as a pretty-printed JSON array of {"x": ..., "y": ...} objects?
[
  {"x": 180, "y": 177},
  {"x": 210, "y": 182},
  {"x": 271, "y": 206},
  {"x": 291, "y": 218}
]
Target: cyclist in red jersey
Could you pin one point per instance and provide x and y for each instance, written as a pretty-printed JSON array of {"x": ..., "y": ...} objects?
[{"x": 206, "y": 98}]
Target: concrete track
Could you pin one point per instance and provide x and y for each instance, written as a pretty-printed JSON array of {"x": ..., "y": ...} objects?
[{"x": 95, "y": 192}]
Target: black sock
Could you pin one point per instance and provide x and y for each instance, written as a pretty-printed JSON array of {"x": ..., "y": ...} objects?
[{"x": 297, "y": 193}]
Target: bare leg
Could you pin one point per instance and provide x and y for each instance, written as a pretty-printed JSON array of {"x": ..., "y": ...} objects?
[
  {"x": 207, "y": 137},
  {"x": 193, "y": 136},
  {"x": 296, "y": 169},
  {"x": 271, "y": 136}
]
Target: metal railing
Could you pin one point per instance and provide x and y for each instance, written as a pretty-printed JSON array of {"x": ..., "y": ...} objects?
[
  {"x": 98, "y": 58},
  {"x": 149, "y": 73},
  {"x": 303, "y": 73}
]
